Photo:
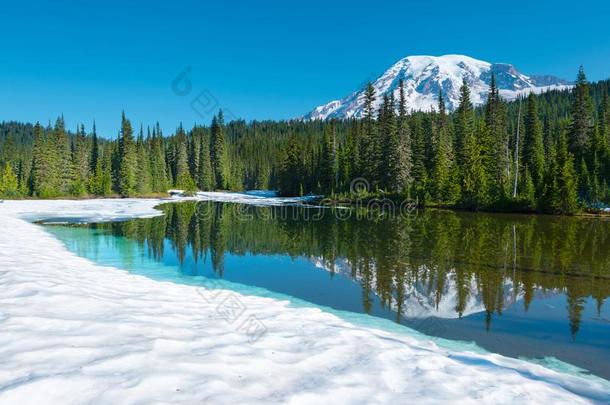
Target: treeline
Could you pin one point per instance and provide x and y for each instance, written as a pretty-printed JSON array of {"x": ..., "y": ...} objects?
[
  {"x": 52, "y": 162},
  {"x": 546, "y": 153}
]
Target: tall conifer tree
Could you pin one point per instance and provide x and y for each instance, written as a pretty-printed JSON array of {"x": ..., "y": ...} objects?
[
  {"x": 217, "y": 151},
  {"x": 127, "y": 163},
  {"x": 533, "y": 146},
  {"x": 582, "y": 116}
]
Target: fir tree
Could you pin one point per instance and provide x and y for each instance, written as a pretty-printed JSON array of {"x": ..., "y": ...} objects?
[
  {"x": 143, "y": 168},
  {"x": 105, "y": 171},
  {"x": 369, "y": 147},
  {"x": 217, "y": 151},
  {"x": 9, "y": 186},
  {"x": 127, "y": 160},
  {"x": 444, "y": 186},
  {"x": 291, "y": 169},
  {"x": 604, "y": 119},
  {"x": 62, "y": 168},
  {"x": 528, "y": 194},
  {"x": 389, "y": 161},
  {"x": 158, "y": 164},
  {"x": 95, "y": 150},
  {"x": 418, "y": 148},
  {"x": 183, "y": 178},
  {"x": 584, "y": 181},
  {"x": 471, "y": 159},
  {"x": 206, "y": 174},
  {"x": 566, "y": 197},
  {"x": 23, "y": 179},
  {"x": 533, "y": 143},
  {"x": 499, "y": 161},
  {"x": 353, "y": 164},
  {"x": 80, "y": 162},
  {"x": 464, "y": 122},
  {"x": 328, "y": 163},
  {"x": 474, "y": 177},
  {"x": 399, "y": 151},
  {"x": 195, "y": 153},
  {"x": 40, "y": 177},
  {"x": 582, "y": 116}
]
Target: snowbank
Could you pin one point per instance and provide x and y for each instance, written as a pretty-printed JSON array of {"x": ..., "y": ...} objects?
[
  {"x": 75, "y": 332},
  {"x": 254, "y": 197}
]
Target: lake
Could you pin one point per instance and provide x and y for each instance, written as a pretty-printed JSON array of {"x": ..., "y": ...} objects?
[{"x": 522, "y": 286}]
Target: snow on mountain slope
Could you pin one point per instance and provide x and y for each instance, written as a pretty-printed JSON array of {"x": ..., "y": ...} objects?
[{"x": 424, "y": 76}]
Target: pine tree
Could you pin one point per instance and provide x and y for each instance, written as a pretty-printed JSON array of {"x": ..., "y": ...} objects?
[
  {"x": 60, "y": 158},
  {"x": 344, "y": 155},
  {"x": 550, "y": 196},
  {"x": 23, "y": 179},
  {"x": 464, "y": 122},
  {"x": 565, "y": 199},
  {"x": 105, "y": 170},
  {"x": 533, "y": 146},
  {"x": 418, "y": 148},
  {"x": 585, "y": 189},
  {"x": 528, "y": 194},
  {"x": 369, "y": 146},
  {"x": 604, "y": 119},
  {"x": 291, "y": 169},
  {"x": 9, "y": 186},
  {"x": 217, "y": 152},
  {"x": 80, "y": 162},
  {"x": 399, "y": 149},
  {"x": 499, "y": 161},
  {"x": 95, "y": 150},
  {"x": 195, "y": 153},
  {"x": 143, "y": 168},
  {"x": 96, "y": 183},
  {"x": 127, "y": 160},
  {"x": 582, "y": 116},
  {"x": 40, "y": 176},
  {"x": 474, "y": 177},
  {"x": 443, "y": 184},
  {"x": 353, "y": 163},
  {"x": 157, "y": 162},
  {"x": 183, "y": 178},
  {"x": 328, "y": 162},
  {"x": 389, "y": 159},
  {"x": 206, "y": 174},
  {"x": 474, "y": 181}
]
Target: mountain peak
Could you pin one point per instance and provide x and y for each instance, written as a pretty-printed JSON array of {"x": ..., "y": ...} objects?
[{"x": 425, "y": 76}]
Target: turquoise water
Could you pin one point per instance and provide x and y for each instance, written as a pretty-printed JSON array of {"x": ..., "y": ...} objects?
[{"x": 529, "y": 287}]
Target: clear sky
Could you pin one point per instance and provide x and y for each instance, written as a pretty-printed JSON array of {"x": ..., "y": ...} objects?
[{"x": 263, "y": 59}]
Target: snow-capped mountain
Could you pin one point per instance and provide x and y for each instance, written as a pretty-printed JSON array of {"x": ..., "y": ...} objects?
[{"x": 424, "y": 76}]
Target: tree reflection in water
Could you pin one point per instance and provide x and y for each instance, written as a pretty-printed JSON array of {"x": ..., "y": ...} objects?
[{"x": 491, "y": 259}]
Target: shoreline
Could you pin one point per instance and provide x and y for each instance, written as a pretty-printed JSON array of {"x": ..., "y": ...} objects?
[{"x": 319, "y": 202}]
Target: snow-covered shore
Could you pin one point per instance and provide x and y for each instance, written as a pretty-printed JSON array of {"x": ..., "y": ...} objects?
[{"x": 72, "y": 331}]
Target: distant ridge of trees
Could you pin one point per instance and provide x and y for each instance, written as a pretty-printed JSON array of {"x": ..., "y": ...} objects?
[{"x": 471, "y": 158}]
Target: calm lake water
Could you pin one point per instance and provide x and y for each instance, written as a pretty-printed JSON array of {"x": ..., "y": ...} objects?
[{"x": 522, "y": 286}]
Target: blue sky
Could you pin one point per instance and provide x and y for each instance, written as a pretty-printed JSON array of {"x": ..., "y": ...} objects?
[{"x": 272, "y": 59}]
